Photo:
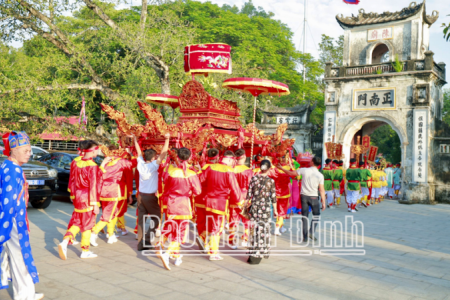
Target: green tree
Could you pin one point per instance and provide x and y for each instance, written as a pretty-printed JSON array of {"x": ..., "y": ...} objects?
[
  {"x": 265, "y": 43},
  {"x": 388, "y": 143},
  {"x": 92, "y": 49},
  {"x": 446, "y": 109},
  {"x": 108, "y": 55},
  {"x": 446, "y": 30},
  {"x": 331, "y": 50}
]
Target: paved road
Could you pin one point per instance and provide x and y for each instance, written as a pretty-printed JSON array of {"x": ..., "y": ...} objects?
[{"x": 407, "y": 256}]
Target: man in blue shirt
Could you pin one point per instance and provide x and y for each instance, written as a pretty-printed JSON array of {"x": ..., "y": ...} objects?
[{"x": 16, "y": 259}]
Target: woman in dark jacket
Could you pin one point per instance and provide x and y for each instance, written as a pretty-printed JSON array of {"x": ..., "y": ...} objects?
[{"x": 261, "y": 196}]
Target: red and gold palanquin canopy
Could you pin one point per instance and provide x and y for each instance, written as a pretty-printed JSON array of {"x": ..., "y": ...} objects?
[
  {"x": 257, "y": 86},
  {"x": 198, "y": 104},
  {"x": 163, "y": 99}
]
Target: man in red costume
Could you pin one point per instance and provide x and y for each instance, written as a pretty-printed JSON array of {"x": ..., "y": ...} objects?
[
  {"x": 200, "y": 208},
  {"x": 85, "y": 183},
  {"x": 282, "y": 181},
  {"x": 221, "y": 186},
  {"x": 78, "y": 158},
  {"x": 179, "y": 184},
  {"x": 123, "y": 203},
  {"x": 117, "y": 186},
  {"x": 243, "y": 175}
]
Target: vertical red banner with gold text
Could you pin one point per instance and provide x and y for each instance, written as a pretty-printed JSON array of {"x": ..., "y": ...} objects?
[
  {"x": 372, "y": 153},
  {"x": 329, "y": 149},
  {"x": 338, "y": 150},
  {"x": 366, "y": 141}
]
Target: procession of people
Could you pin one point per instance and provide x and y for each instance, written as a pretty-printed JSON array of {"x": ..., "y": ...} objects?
[
  {"x": 209, "y": 171},
  {"x": 216, "y": 196}
]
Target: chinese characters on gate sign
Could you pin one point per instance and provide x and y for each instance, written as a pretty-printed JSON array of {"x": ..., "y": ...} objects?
[
  {"x": 379, "y": 34},
  {"x": 329, "y": 126},
  {"x": 288, "y": 120},
  {"x": 420, "y": 145},
  {"x": 329, "y": 129},
  {"x": 374, "y": 99}
]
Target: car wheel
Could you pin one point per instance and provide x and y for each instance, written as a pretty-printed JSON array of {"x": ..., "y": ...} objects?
[{"x": 41, "y": 203}]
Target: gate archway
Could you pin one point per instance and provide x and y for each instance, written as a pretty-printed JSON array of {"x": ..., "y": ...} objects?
[{"x": 349, "y": 131}]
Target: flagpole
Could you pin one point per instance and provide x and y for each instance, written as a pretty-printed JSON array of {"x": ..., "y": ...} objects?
[
  {"x": 304, "y": 43},
  {"x": 304, "y": 39}
]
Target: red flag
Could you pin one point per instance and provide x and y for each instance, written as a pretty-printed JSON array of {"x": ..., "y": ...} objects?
[{"x": 351, "y": 1}]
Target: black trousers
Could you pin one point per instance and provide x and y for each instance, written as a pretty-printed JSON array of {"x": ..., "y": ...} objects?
[
  {"x": 314, "y": 203},
  {"x": 147, "y": 205}
]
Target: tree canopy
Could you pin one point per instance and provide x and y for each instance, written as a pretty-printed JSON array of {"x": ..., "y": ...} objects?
[
  {"x": 264, "y": 42},
  {"x": 331, "y": 50},
  {"x": 94, "y": 50},
  {"x": 388, "y": 143}
]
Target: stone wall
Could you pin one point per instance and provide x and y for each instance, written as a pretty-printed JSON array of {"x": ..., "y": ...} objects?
[
  {"x": 410, "y": 41},
  {"x": 400, "y": 119},
  {"x": 417, "y": 114},
  {"x": 441, "y": 163}
]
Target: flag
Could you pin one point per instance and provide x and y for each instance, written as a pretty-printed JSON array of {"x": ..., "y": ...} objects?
[
  {"x": 351, "y": 1},
  {"x": 82, "y": 118}
]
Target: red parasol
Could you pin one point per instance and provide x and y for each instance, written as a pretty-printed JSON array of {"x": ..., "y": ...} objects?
[
  {"x": 164, "y": 100},
  {"x": 256, "y": 87}
]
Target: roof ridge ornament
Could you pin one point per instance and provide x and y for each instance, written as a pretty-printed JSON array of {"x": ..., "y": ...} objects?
[{"x": 364, "y": 18}]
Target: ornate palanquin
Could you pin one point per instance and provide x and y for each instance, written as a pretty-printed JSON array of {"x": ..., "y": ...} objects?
[
  {"x": 196, "y": 133},
  {"x": 205, "y": 122}
]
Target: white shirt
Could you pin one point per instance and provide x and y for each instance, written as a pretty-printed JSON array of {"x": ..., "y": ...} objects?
[
  {"x": 148, "y": 176},
  {"x": 311, "y": 178}
]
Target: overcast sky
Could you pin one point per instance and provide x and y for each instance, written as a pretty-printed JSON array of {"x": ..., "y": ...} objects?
[{"x": 321, "y": 16}]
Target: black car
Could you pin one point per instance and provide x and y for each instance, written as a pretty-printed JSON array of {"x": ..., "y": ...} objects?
[
  {"x": 61, "y": 161},
  {"x": 41, "y": 182}
]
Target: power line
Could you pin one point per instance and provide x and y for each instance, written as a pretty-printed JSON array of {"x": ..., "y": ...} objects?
[{"x": 313, "y": 38}]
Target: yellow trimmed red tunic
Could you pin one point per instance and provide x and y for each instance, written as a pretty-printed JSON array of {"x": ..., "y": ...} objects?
[
  {"x": 221, "y": 186},
  {"x": 71, "y": 181},
  {"x": 118, "y": 180},
  {"x": 85, "y": 183},
  {"x": 178, "y": 188},
  {"x": 200, "y": 199},
  {"x": 243, "y": 176},
  {"x": 282, "y": 181}
]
